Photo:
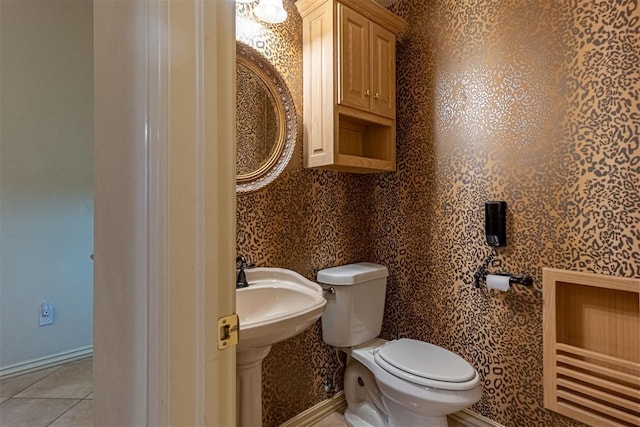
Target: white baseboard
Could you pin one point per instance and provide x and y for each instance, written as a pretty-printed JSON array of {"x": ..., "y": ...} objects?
[
  {"x": 337, "y": 403},
  {"x": 314, "y": 414},
  {"x": 45, "y": 362}
]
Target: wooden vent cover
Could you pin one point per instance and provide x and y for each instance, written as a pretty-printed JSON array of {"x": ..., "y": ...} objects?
[{"x": 592, "y": 347}]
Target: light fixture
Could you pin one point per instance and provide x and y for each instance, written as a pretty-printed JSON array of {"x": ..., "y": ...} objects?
[{"x": 270, "y": 11}]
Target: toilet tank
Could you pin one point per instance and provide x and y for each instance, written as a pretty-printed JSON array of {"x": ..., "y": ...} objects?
[{"x": 353, "y": 314}]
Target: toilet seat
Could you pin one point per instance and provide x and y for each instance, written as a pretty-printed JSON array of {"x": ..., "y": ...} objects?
[{"x": 426, "y": 364}]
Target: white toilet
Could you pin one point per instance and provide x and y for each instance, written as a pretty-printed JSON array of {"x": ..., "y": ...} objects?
[{"x": 389, "y": 383}]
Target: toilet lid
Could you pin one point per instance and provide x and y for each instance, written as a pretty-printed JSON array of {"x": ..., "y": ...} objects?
[{"x": 421, "y": 360}]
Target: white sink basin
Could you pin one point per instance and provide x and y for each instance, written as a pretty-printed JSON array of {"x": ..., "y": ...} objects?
[{"x": 277, "y": 305}]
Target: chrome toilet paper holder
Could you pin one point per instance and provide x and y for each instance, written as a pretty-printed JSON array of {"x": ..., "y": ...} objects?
[{"x": 514, "y": 279}]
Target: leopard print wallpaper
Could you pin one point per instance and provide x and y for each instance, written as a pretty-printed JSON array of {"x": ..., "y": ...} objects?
[
  {"x": 536, "y": 103},
  {"x": 533, "y": 102},
  {"x": 305, "y": 220}
]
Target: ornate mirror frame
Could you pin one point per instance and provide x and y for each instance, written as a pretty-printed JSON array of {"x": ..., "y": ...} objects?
[{"x": 272, "y": 167}]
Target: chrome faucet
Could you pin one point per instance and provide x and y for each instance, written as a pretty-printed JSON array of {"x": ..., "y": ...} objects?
[{"x": 241, "y": 277}]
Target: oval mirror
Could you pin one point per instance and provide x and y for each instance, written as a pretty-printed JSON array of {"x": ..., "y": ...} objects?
[{"x": 265, "y": 121}]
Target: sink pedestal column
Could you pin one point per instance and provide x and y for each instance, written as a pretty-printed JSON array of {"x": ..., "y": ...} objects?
[{"x": 249, "y": 383}]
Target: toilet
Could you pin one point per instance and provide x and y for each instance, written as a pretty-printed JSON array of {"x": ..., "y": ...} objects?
[{"x": 402, "y": 382}]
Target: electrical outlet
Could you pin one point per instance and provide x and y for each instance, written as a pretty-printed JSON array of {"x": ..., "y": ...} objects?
[{"x": 46, "y": 314}]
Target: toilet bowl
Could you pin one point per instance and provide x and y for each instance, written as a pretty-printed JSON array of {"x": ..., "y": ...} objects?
[
  {"x": 377, "y": 397},
  {"x": 396, "y": 383}
]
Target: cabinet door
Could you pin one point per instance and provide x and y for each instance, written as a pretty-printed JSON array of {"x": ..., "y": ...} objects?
[
  {"x": 383, "y": 71},
  {"x": 353, "y": 44}
]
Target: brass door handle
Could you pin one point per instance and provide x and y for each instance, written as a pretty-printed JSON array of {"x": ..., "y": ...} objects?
[
  {"x": 367, "y": 93},
  {"x": 377, "y": 95}
]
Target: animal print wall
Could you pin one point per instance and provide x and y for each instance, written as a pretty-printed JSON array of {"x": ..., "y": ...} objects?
[
  {"x": 305, "y": 220},
  {"x": 533, "y": 102}
]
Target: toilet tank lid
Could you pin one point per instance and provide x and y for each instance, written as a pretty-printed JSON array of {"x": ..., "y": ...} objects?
[{"x": 352, "y": 274}]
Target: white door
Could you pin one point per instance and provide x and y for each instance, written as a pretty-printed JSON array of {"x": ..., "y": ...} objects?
[{"x": 164, "y": 211}]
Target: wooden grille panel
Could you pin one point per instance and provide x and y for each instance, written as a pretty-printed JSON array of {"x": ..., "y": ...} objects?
[{"x": 592, "y": 347}]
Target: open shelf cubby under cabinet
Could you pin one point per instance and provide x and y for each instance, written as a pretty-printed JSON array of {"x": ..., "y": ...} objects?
[{"x": 591, "y": 328}]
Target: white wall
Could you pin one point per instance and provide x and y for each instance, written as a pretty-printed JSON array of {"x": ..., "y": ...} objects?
[{"x": 46, "y": 176}]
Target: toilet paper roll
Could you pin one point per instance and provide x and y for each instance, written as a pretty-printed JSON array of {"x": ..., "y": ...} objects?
[{"x": 495, "y": 281}]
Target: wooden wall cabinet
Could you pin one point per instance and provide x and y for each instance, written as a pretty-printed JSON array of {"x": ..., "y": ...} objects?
[
  {"x": 349, "y": 85},
  {"x": 366, "y": 73}
]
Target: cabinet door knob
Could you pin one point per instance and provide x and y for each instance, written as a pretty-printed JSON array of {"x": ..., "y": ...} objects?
[
  {"x": 377, "y": 95},
  {"x": 367, "y": 93}
]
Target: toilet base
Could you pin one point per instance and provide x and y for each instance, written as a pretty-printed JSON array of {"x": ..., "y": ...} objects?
[
  {"x": 364, "y": 415},
  {"x": 370, "y": 390},
  {"x": 406, "y": 420},
  {"x": 368, "y": 407}
]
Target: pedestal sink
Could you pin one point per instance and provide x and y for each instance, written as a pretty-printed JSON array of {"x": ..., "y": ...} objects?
[{"x": 277, "y": 305}]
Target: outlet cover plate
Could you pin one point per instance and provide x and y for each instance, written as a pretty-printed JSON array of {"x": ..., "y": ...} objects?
[{"x": 46, "y": 314}]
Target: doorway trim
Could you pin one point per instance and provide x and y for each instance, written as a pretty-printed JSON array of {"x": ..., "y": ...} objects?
[{"x": 164, "y": 211}]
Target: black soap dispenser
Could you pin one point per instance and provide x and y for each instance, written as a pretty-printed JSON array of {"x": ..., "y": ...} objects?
[{"x": 495, "y": 223}]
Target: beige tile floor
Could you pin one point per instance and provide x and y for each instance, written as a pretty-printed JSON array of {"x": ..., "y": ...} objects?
[
  {"x": 63, "y": 397},
  {"x": 60, "y": 396}
]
